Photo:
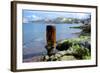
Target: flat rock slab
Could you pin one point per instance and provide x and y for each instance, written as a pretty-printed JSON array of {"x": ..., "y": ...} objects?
[{"x": 66, "y": 58}]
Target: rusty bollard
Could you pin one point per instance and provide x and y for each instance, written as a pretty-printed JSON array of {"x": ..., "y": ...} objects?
[{"x": 50, "y": 39}]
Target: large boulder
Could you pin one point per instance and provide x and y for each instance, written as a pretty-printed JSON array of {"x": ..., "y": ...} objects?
[
  {"x": 63, "y": 46},
  {"x": 85, "y": 44}
]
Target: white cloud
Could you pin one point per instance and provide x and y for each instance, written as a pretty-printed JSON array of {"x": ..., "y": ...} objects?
[
  {"x": 30, "y": 18},
  {"x": 33, "y": 17},
  {"x": 82, "y": 15},
  {"x": 25, "y": 20},
  {"x": 36, "y": 17}
]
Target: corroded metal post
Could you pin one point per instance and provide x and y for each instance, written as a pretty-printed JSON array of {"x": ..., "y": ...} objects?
[{"x": 51, "y": 39}]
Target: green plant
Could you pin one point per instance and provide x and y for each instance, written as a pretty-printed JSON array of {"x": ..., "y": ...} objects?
[{"x": 80, "y": 52}]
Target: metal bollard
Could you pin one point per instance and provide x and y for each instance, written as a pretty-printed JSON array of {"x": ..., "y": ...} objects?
[{"x": 51, "y": 39}]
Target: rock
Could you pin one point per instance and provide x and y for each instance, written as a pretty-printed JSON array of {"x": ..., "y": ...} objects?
[
  {"x": 71, "y": 49},
  {"x": 66, "y": 58},
  {"x": 51, "y": 51},
  {"x": 46, "y": 57},
  {"x": 58, "y": 55},
  {"x": 62, "y": 52},
  {"x": 85, "y": 44},
  {"x": 63, "y": 46},
  {"x": 79, "y": 52}
]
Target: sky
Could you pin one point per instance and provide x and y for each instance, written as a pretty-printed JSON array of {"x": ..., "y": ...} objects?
[{"x": 29, "y": 15}]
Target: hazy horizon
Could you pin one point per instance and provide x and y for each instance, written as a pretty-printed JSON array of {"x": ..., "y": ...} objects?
[{"x": 29, "y": 15}]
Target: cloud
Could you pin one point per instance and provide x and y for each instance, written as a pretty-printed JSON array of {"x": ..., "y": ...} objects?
[
  {"x": 82, "y": 15},
  {"x": 33, "y": 17},
  {"x": 28, "y": 18},
  {"x": 25, "y": 20}
]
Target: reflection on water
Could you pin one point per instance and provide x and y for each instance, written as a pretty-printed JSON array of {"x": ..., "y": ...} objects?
[{"x": 34, "y": 36}]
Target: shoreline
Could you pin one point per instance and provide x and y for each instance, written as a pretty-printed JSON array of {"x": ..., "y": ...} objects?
[{"x": 34, "y": 59}]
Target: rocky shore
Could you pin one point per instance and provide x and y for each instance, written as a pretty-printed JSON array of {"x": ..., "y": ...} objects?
[
  {"x": 68, "y": 49},
  {"x": 72, "y": 49}
]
